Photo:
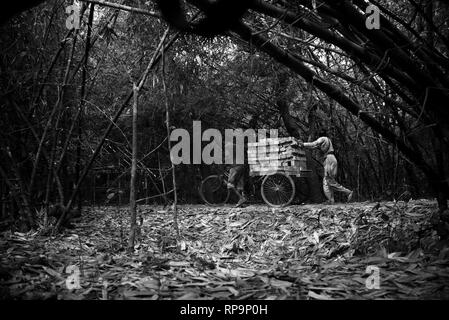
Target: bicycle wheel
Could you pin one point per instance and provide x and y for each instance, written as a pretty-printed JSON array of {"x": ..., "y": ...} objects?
[
  {"x": 278, "y": 190},
  {"x": 213, "y": 190}
]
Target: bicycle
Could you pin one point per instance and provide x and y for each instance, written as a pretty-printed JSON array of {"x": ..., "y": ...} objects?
[{"x": 277, "y": 189}]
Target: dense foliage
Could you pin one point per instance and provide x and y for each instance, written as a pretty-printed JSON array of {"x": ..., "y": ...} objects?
[{"x": 381, "y": 94}]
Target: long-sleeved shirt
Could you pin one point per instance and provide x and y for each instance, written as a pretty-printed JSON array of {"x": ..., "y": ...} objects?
[{"x": 322, "y": 143}]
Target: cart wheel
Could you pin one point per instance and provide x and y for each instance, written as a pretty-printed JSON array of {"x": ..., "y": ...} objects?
[
  {"x": 214, "y": 191},
  {"x": 278, "y": 190}
]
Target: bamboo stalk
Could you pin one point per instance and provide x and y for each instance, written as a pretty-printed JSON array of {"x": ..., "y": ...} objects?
[
  {"x": 132, "y": 187},
  {"x": 167, "y": 123},
  {"x": 156, "y": 57}
]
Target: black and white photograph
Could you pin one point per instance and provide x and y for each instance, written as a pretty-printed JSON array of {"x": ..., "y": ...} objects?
[{"x": 224, "y": 155}]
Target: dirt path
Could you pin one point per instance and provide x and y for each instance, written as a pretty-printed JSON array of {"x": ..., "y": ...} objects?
[{"x": 299, "y": 252}]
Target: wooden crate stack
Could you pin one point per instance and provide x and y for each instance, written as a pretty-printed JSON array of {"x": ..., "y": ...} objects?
[{"x": 273, "y": 155}]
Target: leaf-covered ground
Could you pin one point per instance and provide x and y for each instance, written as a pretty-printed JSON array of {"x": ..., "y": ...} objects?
[{"x": 299, "y": 252}]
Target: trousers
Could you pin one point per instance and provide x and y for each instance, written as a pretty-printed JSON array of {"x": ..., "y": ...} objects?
[
  {"x": 330, "y": 183},
  {"x": 238, "y": 176}
]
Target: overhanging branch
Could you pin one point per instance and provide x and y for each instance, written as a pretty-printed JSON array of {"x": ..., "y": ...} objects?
[
  {"x": 122, "y": 7},
  {"x": 334, "y": 93}
]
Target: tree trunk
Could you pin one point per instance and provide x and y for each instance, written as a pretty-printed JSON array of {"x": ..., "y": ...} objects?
[
  {"x": 132, "y": 186},
  {"x": 167, "y": 122}
]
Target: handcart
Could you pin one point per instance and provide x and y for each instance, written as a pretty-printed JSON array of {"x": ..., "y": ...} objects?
[
  {"x": 276, "y": 162},
  {"x": 280, "y": 161}
]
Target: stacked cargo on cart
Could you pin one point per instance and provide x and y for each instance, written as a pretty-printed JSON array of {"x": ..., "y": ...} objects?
[{"x": 277, "y": 155}]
